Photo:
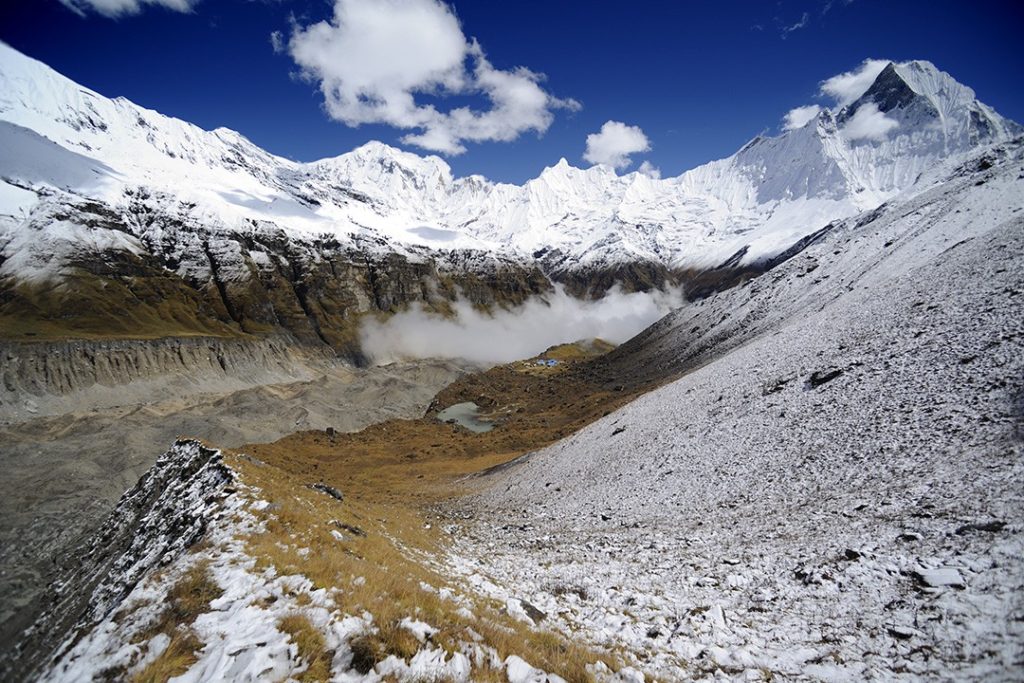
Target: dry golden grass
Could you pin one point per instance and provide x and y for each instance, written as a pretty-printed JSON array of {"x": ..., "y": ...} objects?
[
  {"x": 567, "y": 355},
  {"x": 100, "y": 306},
  {"x": 189, "y": 597},
  {"x": 383, "y": 573},
  {"x": 391, "y": 474},
  {"x": 192, "y": 594},
  {"x": 489, "y": 675},
  {"x": 174, "y": 661},
  {"x": 312, "y": 650}
]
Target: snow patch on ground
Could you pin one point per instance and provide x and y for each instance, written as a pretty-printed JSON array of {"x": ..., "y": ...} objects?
[{"x": 240, "y": 633}]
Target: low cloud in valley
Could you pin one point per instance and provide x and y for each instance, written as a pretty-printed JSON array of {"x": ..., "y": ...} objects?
[{"x": 517, "y": 333}]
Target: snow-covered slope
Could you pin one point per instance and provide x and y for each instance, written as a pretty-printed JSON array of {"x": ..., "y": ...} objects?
[
  {"x": 831, "y": 491},
  {"x": 764, "y": 197}
]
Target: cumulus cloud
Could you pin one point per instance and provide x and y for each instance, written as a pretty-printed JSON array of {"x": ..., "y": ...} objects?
[
  {"x": 511, "y": 335},
  {"x": 649, "y": 169},
  {"x": 116, "y": 8},
  {"x": 614, "y": 144},
  {"x": 868, "y": 123},
  {"x": 800, "y": 117},
  {"x": 375, "y": 57},
  {"x": 848, "y": 86}
]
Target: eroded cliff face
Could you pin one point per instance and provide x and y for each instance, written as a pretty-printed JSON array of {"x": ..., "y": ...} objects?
[
  {"x": 171, "y": 275},
  {"x": 46, "y": 378}
]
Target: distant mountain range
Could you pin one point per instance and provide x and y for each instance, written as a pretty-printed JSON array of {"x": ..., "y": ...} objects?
[{"x": 217, "y": 235}]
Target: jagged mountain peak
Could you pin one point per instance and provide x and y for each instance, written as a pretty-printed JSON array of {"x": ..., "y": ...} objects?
[
  {"x": 564, "y": 170},
  {"x": 377, "y": 159},
  {"x": 560, "y": 168},
  {"x": 929, "y": 81},
  {"x": 890, "y": 90},
  {"x": 920, "y": 98},
  {"x": 901, "y": 86}
]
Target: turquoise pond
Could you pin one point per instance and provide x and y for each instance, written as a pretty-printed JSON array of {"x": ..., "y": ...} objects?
[{"x": 466, "y": 414}]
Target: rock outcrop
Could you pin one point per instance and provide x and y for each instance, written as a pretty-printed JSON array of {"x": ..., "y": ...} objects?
[
  {"x": 154, "y": 522},
  {"x": 170, "y": 275}
]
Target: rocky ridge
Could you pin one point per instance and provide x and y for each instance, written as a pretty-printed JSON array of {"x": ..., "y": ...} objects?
[{"x": 164, "y": 514}]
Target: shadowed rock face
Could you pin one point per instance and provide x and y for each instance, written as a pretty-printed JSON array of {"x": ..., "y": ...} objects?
[
  {"x": 889, "y": 92},
  {"x": 154, "y": 522},
  {"x": 189, "y": 280}
]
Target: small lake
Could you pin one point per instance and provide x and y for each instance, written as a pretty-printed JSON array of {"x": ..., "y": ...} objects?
[{"x": 466, "y": 414}]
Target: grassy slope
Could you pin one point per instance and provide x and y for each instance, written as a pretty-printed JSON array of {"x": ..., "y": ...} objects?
[
  {"x": 87, "y": 307},
  {"x": 391, "y": 475}
]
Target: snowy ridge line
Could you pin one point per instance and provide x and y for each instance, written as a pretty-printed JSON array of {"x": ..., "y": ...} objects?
[
  {"x": 153, "y": 524},
  {"x": 770, "y": 194},
  {"x": 240, "y": 635}
]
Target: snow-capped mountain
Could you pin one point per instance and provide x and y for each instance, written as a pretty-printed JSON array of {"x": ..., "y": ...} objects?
[
  {"x": 767, "y": 195},
  {"x": 118, "y": 220}
]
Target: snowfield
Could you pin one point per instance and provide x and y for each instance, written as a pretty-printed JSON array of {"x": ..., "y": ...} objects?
[
  {"x": 62, "y": 137},
  {"x": 835, "y": 489}
]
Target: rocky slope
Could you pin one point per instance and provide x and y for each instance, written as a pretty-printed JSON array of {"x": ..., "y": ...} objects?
[
  {"x": 165, "y": 513},
  {"x": 831, "y": 491}
]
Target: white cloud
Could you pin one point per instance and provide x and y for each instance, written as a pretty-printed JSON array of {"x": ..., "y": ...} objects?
[
  {"x": 277, "y": 42},
  {"x": 800, "y": 117},
  {"x": 614, "y": 144},
  {"x": 375, "y": 57},
  {"x": 847, "y": 87},
  {"x": 868, "y": 123},
  {"x": 116, "y": 8},
  {"x": 786, "y": 30},
  {"x": 649, "y": 169},
  {"x": 513, "y": 334}
]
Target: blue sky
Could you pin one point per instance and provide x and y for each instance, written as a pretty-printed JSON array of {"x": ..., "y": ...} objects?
[{"x": 699, "y": 78}]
